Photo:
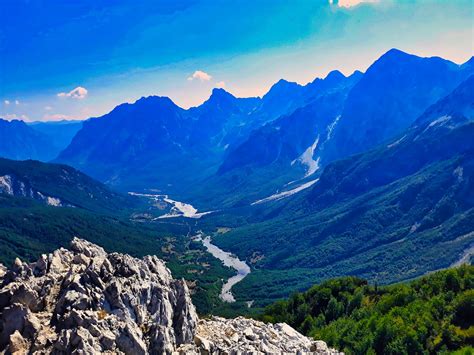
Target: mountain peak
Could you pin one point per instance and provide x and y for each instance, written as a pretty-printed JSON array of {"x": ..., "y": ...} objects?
[
  {"x": 394, "y": 53},
  {"x": 161, "y": 100},
  {"x": 335, "y": 75},
  {"x": 219, "y": 93},
  {"x": 280, "y": 87},
  {"x": 393, "y": 56},
  {"x": 356, "y": 73},
  {"x": 14, "y": 122}
]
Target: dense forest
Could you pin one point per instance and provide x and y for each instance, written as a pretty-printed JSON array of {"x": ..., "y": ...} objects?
[{"x": 431, "y": 315}]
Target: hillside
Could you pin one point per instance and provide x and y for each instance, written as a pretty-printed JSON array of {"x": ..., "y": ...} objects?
[
  {"x": 59, "y": 185},
  {"x": 390, "y": 214},
  {"x": 43, "y": 206},
  {"x": 431, "y": 315}
]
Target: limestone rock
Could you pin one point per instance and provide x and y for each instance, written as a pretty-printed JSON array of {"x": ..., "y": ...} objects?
[
  {"x": 247, "y": 336},
  {"x": 87, "y": 301}
]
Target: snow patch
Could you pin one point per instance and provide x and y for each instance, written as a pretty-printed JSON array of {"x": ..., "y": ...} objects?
[
  {"x": 284, "y": 194},
  {"x": 396, "y": 142},
  {"x": 465, "y": 257},
  {"x": 459, "y": 172},
  {"x": 331, "y": 127},
  {"x": 307, "y": 159},
  {"x": 53, "y": 201},
  {"x": 414, "y": 227},
  {"x": 439, "y": 121},
  {"x": 6, "y": 184}
]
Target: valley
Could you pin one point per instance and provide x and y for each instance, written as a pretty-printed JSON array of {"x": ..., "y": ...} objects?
[{"x": 342, "y": 182}]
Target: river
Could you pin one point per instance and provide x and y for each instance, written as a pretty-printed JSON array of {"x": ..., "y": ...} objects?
[
  {"x": 178, "y": 209},
  {"x": 181, "y": 209},
  {"x": 228, "y": 260}
]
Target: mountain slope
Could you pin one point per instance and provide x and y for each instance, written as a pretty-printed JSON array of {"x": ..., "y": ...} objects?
[
  {"x": 147, "y": 144},
  {"x": 394, "y": 91},
  {"x": 393, "y": 213},
  {"x": 282, "y": 152},
  {"x": 347, "y": 116},
  {"x": 289, "y": 136},
  {"x": 19, "y": 141},
  {"x": 59, "y": 185}
]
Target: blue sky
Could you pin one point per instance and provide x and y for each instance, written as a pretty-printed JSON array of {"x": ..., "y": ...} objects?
[{"x": 77, "y": 59}]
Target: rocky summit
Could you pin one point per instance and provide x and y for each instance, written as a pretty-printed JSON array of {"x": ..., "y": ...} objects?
[{"x": 86, "y": 301}]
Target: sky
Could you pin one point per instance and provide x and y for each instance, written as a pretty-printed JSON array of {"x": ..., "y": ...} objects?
[{"x": 75, "y": 59}]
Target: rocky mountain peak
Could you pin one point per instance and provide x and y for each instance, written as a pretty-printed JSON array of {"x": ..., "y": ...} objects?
[{"x": 87, "y": 301}]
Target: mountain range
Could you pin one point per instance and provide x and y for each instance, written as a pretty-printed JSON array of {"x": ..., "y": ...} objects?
[
  {"x": 247, "y": 149},
  {"x": 369, "y": 174},
  {"x": 392, "y": 213}
]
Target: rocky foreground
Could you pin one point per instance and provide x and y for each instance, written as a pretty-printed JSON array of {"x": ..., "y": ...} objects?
[{"x": 85, "y": 301}]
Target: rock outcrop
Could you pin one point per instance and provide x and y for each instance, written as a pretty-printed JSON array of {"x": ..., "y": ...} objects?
[
  {"x": 88, "y": 301},
  {"x": 247, "y": 336},
  {"x": 11, "y": 185},
  {"x": 85, "y": 301}
]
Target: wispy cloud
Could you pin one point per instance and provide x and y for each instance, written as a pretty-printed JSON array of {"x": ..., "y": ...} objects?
[
  {"x": 200, "y": 75},
  {"x": 220, "y": 84},
  {"x": 77, "y": 93},
  {"x": 48, "y": 108},
  {"x": 17, "y": 102},
  {"x": 350, "y": 3},
  {"x": 6, "y": 102}
]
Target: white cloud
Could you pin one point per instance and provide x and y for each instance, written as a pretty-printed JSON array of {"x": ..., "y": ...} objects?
[
  {"x": 77, "y": 93},
  {"x": 17, "y": 102},
  {"x": 56, "y": 117},
  {"x": 48, "y": 108},
  {"x": 350, "y": 3},
  {"x": 6, "y": 102},
  {"x": 200, "y": 75},
  {"x": 220, "y": 84}
]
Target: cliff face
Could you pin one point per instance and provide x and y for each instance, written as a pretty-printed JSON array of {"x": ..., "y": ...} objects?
[{"x": 86, "y": 301}]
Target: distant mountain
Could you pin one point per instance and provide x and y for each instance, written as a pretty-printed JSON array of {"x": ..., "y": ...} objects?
[
  {"x": 393, "y": 213},
  {"x": 19, "y": 141},
  {"x": 232, "y": 151},
  {"x": 354, "y": 114},
  {"x": 147, "y": 143},
  {"x": 444, "y": 131},
  {"x": 288, "y": 137},
  {"x": 60, "y": 133},
  {"x": 130, "y": 139},
  {"x": 394, "y": 91},
  {"x": 283, "y": 150},
  {"x": 58, "y": 185}
]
